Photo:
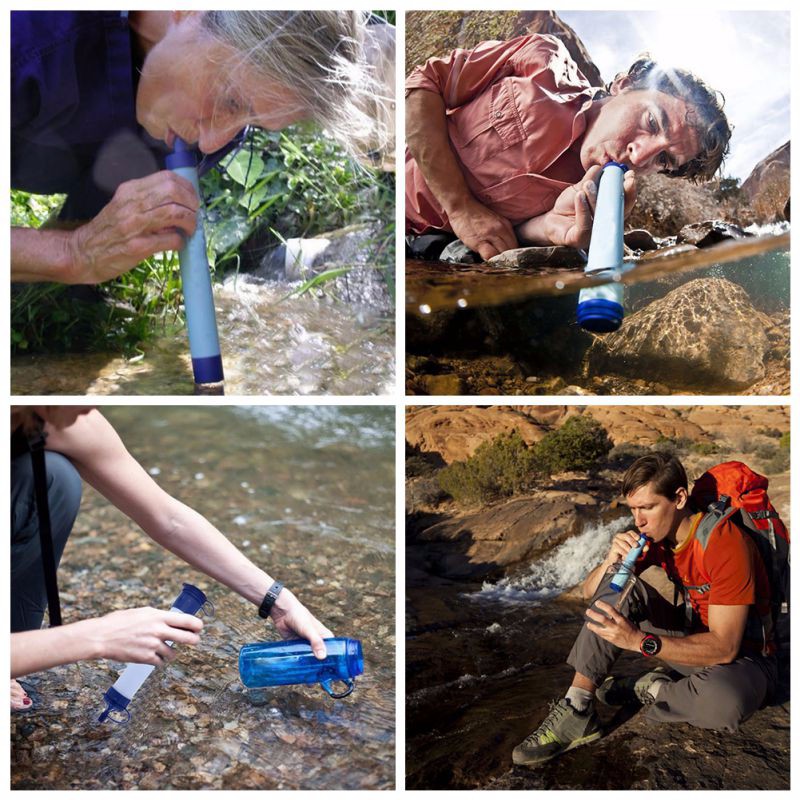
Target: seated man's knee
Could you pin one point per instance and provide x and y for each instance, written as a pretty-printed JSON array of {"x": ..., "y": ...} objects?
[{"x": 724, "y": 703}]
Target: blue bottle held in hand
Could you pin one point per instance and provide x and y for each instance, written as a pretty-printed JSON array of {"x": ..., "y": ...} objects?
[{"x": 284, "y": 663}]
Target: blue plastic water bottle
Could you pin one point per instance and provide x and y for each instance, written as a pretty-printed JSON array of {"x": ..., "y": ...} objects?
[
  {"x": 198, "y": 297},
  {"x": 620, "y": 579},
  {"x": 284, "y": 663},
  {"x": 117, "y": 698},
  {"x": 600, "y": 308}
]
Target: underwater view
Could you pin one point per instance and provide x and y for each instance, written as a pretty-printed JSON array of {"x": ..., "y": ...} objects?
[
  {"x": 697, "y": 321},
  {"x": 308, "y": 494}
]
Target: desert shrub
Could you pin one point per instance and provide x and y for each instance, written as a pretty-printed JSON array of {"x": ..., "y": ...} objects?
[
  {"x": 423, "y": 492},
  {"x": 784, "y": 441},
  {"x": 765, "y": 452},
  {"x": 705, "y": 448},
  {"x": 772, "y": 433},
  {"x": 778, "y": 463},
  {"x": 498, "y": 468},
  {"x": 623, "y": 455},
  {"x": 581, "y": 443}
]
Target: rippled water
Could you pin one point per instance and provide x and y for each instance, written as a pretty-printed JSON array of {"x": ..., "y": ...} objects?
[
  {"x": 270, "y": 345},
  {"x": 306, "y": 492},
  {"x": 481, "y": 329}
]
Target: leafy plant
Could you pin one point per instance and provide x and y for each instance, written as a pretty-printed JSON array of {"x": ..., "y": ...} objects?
[{"x": 581, "y": 443}]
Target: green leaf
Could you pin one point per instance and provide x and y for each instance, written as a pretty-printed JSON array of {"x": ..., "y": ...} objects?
[{"x": 246, "y": 168}]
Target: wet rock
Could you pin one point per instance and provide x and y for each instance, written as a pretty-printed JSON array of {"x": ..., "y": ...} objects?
[
  {"x": 640, "y": 239},
  {"x": 671, "y": 250},
  {"x": 458, "y": 253},
  {"x": 441, "y": 384},
  {"x": 477, "y": 544},
  {"x": 703, "y": 335},
  {"x": 705, "y": 234},
  {"x": 531, "y": 257}
]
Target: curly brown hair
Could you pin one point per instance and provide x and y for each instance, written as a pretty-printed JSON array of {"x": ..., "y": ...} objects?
[{"x": 705, "y": 116}]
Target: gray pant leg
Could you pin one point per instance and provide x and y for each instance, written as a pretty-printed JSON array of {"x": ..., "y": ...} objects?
[
  {"x": 28, "y": 593},
  {"x": 593, "y": 657},
  {"x": 720, "y": 697}
]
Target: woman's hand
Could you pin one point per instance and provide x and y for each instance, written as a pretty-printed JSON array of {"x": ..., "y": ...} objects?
[
  {"x": 145, "y": 216},
  {"x": 292, "y": 618},
  {"x": 140, "y": 635}
]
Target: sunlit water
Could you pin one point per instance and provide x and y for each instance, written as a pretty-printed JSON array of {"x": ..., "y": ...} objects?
[
  {"x": 308, "y": 494},
  {"x": 513, "y": 331},
  {"x": 270, "y": 345}
]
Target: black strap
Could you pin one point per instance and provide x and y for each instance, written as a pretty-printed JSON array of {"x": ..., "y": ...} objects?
[{"x": 36, "y": 444}]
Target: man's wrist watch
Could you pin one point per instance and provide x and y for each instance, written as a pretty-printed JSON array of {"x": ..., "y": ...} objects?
[
  {"x": 650, "y": 645},
  {"x": 269, "y": 599}
]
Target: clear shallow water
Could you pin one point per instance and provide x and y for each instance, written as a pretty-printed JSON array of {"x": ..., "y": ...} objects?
[
  {"x": 309, "y": 494},
  {"x": 270, "y": 345}
]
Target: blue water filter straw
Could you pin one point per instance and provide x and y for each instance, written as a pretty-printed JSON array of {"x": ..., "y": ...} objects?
[
  {"x": 263, "y": 664},
  {"x": 600, "y": 308},
  {"x": 201, "y": 319},
  {"x": 621, "y": 578},
  {"x": 117, "y": 698}
]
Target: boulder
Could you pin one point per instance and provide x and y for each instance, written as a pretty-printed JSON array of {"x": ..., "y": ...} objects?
[
  {"x": 474, "y": 545},
  {"x": 455, "y": 432},
  {"x": 436, "y": 33},
  {"x": 767, "y": 188},
  {"x": 702, "y": 336},
  {"x": 708, "y": 233},
  {"x": 533, "y": 257}
]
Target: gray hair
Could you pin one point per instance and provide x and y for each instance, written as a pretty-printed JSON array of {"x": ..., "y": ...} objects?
[{"x": 323, "y": 57}]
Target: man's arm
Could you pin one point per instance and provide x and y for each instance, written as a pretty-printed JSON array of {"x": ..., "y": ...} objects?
[
  {"x": 720, "y": 645},
  {"x": 41, "y": 255},
  {"x": 426, "y": 136},
  {"x": 620, "y": 547}
]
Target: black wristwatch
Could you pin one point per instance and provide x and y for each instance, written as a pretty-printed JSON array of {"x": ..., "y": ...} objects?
[
  {"x": 269, "y": 599},
  {"x": 650, "y": 645}
]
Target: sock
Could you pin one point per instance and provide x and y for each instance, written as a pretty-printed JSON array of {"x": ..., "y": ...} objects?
[
  {"x": 579, "y": 698},
  {"x": 655, "y": 687}
]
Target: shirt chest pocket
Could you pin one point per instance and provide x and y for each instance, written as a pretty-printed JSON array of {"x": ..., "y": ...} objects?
[{"x": 491, "y": 121}]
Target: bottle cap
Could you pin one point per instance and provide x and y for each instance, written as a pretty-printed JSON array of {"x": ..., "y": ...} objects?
[
  {"x": 190, "y": 600},
  {"x": 599, "y": 315}
]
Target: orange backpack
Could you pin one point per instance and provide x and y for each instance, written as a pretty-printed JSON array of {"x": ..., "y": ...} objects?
[{"x": 733, "y": 491}]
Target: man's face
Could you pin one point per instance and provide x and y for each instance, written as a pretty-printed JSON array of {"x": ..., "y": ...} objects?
[
  {"x": 642, "y": 128},
  {"x": 654, "y": 515}
]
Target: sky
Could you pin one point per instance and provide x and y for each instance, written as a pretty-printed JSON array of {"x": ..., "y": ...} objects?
[{"x": 743, "y": 54}]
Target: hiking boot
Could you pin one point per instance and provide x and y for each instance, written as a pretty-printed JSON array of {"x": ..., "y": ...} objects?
[
  {"x": 630, "y": 691},
  {"x": 563, "y": 728}
]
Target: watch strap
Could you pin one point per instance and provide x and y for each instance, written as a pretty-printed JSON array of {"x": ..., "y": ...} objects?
[{"x": 269, "y": 599}]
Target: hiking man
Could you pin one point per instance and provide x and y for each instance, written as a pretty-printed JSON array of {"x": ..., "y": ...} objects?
[
  {"x": 505, "y": 142},
  {"x": 720, "y": 641}
]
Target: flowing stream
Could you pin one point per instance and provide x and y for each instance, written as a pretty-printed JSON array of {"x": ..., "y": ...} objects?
[{"x": 305, "y": 492}]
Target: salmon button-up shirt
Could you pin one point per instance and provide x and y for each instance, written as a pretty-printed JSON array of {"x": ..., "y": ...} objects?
[{"x": 513, "y": 110}]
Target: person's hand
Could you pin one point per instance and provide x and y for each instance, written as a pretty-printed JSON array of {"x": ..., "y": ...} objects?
[
  {"x": 621, "y": 545},
  {"x": 480, "y": 229},
  {"x": 569, "y": 222},
  {"x": 140, "y": 635},
  {"x": 613, "y": 627},
  {"x": 292, "y": 618},
  {"x": 145, "y": 216}
]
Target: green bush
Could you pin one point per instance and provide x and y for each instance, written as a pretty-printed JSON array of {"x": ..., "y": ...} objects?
[
  {"x": 778, "y": 463},
  {"x": 498, "y": 468},
  {"x": 705, "y": 448},
  {"x": 784, "y": 442},
  {"x": 624, "y": 454},
  {"x": 581, "y": 443}
]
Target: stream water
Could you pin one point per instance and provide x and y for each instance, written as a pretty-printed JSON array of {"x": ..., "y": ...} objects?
[
  {"x": 270, "y": 345},
  {"x": 478, "y": 329},
  {"x": 307, "y": 492}
]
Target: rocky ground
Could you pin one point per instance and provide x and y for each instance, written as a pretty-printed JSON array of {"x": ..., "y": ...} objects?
[{"x": 481, "y": 670}]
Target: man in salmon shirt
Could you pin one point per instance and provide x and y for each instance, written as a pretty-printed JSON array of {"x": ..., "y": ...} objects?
[
  {"x": 725, "y": 652},
  {"x": 505, "y": 142}
]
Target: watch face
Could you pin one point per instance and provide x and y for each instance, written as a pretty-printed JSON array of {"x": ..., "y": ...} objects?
[{"x": 650, "y": 645}]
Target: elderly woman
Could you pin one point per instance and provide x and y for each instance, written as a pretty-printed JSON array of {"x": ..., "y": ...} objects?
[
  {"x": 79, "y": 443},
  {"x": 98, "y": 98}
]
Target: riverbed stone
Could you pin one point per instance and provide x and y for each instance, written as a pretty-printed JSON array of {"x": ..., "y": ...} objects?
[
  {"x": 710, "y": 232},
  {"x": 703, "y": 335},
  {"x": 532, "y": 257}
]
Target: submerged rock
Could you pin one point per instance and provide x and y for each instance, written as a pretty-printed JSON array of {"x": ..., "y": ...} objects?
[
  {"x": 703, "y": 335},
  {"x": 710, "y": 232}
]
